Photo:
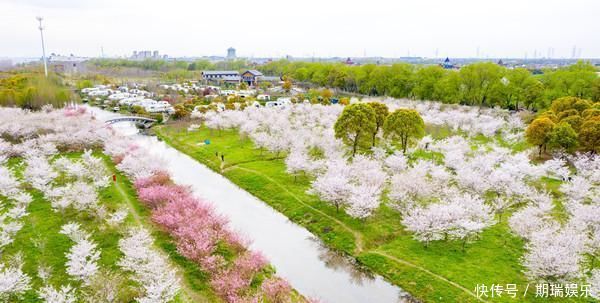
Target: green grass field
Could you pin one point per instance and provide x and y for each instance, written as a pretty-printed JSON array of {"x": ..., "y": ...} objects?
[
  {"x": 441, "y": 272},
  {"x": 41, "y": 244}
]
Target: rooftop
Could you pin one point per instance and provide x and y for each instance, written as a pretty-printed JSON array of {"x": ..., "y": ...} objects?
[
  {"x": 254, "y": 72},
  {"x": 220, "y": 72}
]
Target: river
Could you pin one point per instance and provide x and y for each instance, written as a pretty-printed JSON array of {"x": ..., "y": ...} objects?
[{"x": 309, "y": 266}]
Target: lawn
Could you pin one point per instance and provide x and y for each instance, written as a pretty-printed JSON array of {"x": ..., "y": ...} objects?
[
  {"x": 41, "y": 244},
  {"x": 441, "y": 272}
]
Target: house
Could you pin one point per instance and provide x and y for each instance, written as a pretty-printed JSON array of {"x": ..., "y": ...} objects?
[
  {"x": 251, "y": 76},
  {"x": 228, "y": 76},
  {"x": 254, "y": 77},
  {"x": 448, "y": 65}
]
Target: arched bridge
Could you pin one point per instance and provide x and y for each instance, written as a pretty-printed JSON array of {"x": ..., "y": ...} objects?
[{"x": 141, "y": 122}]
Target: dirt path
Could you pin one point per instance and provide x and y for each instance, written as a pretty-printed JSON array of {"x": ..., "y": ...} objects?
[
  {"x": 359, "y": 239},
  {"x": 358, "y": 236},
  {"x": 189, "y": 295},
  {"x": 404, "y": 262}
]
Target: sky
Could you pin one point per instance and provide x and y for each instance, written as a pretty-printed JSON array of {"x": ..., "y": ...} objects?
[{"x": 306, "y": 28}]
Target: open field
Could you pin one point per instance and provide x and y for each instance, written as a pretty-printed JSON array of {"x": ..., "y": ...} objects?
[{"x": 439, "y": 272}]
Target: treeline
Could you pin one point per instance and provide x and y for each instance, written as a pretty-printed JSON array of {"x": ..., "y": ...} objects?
[
  {"x": 486, "y": 83},
  {"x": 154, "y": 65},
  {"x": 32, "y": 90},
  {"x": 166, "y": 65},
  {"x": 569, "y": 124}
]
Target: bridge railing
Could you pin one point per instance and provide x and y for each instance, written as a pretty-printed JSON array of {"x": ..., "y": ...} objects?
[{"x": 132, "y": 119}]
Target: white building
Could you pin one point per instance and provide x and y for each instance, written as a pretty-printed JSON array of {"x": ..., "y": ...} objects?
[{"x": 67, "y": 64}]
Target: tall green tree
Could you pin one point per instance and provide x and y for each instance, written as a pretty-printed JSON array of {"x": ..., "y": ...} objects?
[
  {"x": 482, "y": 83},
  {"x": 402, "y": 125},
  {"x": 516, "y": 82},
  {"x": 538, "y": 133},
  {"x": 589, "y": 135},
  {"x": 479, "y": 83},
  {"x": 596, "y": 90},
  {"x": 426, "y": 80},
  {"x": 533, "y": 94},
  {"x": 357, "y": 122},
  {"x": 381, "y": 112},
  {"x": 575, "y": 80},
  {"x": 564, "y": 136}
]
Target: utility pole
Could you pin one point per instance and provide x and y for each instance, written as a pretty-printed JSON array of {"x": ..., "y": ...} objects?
[{"x": 43, "y": 47}]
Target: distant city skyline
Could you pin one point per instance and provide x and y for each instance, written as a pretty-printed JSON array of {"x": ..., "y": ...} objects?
[{"x": 266, "y": 28}]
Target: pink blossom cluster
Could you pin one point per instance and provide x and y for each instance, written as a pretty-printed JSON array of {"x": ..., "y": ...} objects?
[
  {"x": 72, "y": 111},
  {"x": 276, "y": 290},
  {"x": 201, "y": 234},
  {"x": 232, "y": 282},
  {"x": 157, "y": 195}
]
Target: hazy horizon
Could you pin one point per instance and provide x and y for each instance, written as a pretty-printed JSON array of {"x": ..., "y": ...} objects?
[{"x": 268, "y": 28}]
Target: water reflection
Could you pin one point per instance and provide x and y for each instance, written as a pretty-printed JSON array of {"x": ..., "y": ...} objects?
[{"x": 340, "y": 262}]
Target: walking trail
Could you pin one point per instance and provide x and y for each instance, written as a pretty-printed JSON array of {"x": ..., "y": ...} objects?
[
  {"x": 189, "y": 295},
  {"x": 357, "y": 235},
  {"x": 359, "y": 238}
]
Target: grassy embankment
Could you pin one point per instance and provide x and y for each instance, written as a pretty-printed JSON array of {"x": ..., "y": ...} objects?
[{"x": 441, "y": 272}]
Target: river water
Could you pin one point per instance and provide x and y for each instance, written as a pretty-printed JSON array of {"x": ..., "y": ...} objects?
[{"x": 309, "y": 266}]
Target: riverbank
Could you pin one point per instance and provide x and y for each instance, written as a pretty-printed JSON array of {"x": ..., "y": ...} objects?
[{"x": 442, "y": 272}]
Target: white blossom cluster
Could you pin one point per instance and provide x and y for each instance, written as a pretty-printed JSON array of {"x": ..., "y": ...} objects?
[
  {"x": 89, "y": 173},
  {"x": 357, "y": 185},
  {"x": 48, "y": 131},
  {"x": 301, "y": 127},
  {"x": 11, "y": 215},
  {"x": 39, "y": 173},
  {"x": 557, "y": 250},
  {"x": 82, "y": 178},
  {"x": 470, "y": 119},
  {"x": 68, "y": 183},
  {"x": 65, "y": 294},
  {"x": 458, "y": 216},
  {"x": 135, "y": 162},
  {"x": 13, "y": 281},
  {"x": 82, "y": 258},
  {"x": 88, "y": 168},
  {"x": 150, "y": 268},
  {"x": 454, "y": 196}
]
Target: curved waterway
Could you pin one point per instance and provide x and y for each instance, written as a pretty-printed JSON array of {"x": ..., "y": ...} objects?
[{"x": 310, "y": 267}]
